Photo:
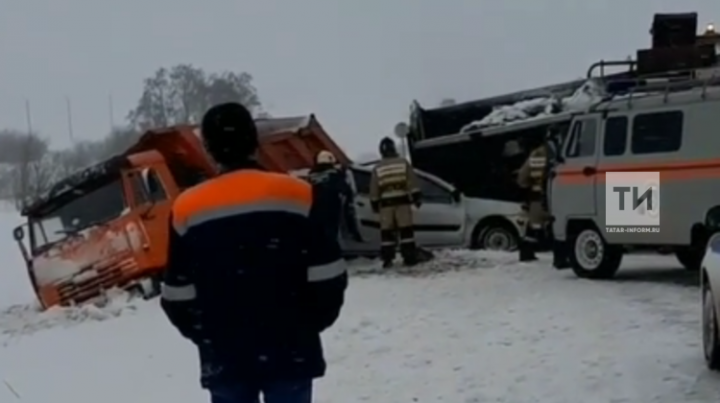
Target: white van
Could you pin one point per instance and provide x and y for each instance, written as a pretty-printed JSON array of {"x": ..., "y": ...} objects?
[{"x": 671, "y": 129}]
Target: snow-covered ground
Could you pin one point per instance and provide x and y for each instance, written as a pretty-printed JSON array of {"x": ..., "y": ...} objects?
[{"x": 471, "y": 327}]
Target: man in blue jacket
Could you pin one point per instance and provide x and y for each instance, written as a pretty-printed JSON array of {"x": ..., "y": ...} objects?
[
  {"x": 250, "y": 280},
  {"x": 332, "y": 197}
]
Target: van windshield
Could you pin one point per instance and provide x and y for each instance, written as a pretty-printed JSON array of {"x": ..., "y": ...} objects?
[{"x": 90, "y": 207}]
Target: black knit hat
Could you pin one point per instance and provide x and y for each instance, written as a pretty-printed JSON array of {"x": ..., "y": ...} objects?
[{"x": 229, "y": 133}]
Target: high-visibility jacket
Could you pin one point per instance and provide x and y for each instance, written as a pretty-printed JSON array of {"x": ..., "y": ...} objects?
[
  {"x": 393, "y": 182},
  {"x": 532, "y": 174},
  {"x": 250, "y": 280}
]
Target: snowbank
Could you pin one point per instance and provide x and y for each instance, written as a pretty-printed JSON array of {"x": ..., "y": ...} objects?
[
  {"x": 588, "y": 94},
  {"x": 14, "y": 283},
  {"x": 25, "y": 319},
  {"x": 445, "y": 261}
]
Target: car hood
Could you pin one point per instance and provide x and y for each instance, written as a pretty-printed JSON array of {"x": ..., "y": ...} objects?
[{"x": 477, "y": 206}]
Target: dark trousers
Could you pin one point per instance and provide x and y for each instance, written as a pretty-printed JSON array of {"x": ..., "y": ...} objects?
[
  {"x": 396, "y": 226},
  {"x": 272, "y": 392}
]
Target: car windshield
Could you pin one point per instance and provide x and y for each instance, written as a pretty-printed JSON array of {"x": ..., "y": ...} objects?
[{"x": 91, "y": 207}]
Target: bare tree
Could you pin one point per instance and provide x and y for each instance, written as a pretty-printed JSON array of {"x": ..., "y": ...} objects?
[
  {"x": 118, "y": 141},
  {"x": 17, "y": 146},
  {"x": 182, "y": 94},
  {"x": 32, "y": 174}
]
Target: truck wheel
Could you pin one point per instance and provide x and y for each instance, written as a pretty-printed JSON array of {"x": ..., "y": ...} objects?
[
  {"x": 711, "y": 341},
  {"x": 591, "y": 257},
  {"x": 499, "y": 237},
  {"x": 691, "y": 258}
]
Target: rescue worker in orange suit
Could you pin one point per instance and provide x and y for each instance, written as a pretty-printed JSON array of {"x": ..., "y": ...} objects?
[
  {"x": 333, "y": 197},
  {"x": 249, "y": 280},
  {"x": 531, "y": 178},
  {"x": 393, "y": 192}
]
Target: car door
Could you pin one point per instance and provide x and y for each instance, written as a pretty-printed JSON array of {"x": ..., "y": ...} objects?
[
  {"x": 572, "y": 193},
  {"x": 367, "y": 220},
  {"x": 441, "y": 219}
]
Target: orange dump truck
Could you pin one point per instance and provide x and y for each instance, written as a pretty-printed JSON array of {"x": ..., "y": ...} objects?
[{"x": 106, "y": 226}]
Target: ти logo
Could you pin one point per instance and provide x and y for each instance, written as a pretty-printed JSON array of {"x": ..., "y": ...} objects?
[{"x": 632, "y": 199}]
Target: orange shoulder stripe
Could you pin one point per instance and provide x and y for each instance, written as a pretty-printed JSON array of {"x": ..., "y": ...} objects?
[{"x": 241, "y": 192}]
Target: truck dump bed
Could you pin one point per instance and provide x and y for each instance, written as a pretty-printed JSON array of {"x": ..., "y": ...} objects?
[{"x": 288, "y": 144}]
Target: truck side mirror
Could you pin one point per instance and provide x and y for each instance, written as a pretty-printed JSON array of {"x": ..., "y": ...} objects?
[{"x": 19, "y": 233}]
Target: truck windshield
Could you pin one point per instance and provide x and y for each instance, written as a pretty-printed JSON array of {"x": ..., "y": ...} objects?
[{"x": 89, "y": 208}]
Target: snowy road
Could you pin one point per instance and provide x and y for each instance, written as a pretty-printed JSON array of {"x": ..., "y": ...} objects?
[{"x": 510, "y": 333}]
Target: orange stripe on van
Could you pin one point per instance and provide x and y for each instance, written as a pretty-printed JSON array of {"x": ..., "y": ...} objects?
[{"x": 669, "y": 170}]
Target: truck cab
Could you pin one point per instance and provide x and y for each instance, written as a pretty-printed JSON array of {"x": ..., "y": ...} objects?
[{"x": 106, "y": 226}]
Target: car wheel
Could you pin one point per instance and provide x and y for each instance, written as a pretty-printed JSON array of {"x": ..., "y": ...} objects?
[
  {"x": 591, "y": 257},
  {"x": 498, "y": 237},
  {"x": 711, "y": 341}
]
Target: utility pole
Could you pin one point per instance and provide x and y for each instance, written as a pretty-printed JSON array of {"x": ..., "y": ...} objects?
[
  {"x": 69, "y": 119},
  {"x": 111, "y": 112},
  {"x": 28, "y": 118},
  {"x": 24, "y": 187}
]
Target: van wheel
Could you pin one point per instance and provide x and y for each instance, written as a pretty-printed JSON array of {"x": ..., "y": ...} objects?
[
  {"x": 711, "y": 341},
  {"x": 691, "y": 258},
  {"x": 591, "y": 257}
]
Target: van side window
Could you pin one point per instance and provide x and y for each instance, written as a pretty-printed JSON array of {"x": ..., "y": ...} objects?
[
  {"x": 659, "y": 132},
  {"x": 615, "y": 136},
  {"x": 582, "y": 139}
]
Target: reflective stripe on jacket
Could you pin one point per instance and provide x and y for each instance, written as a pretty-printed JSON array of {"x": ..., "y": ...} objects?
[{"x": 249, "y": 279}]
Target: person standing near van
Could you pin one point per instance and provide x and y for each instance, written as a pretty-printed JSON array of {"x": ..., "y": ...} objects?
[
  {"x": 531, "y": 178},
  {"x": 393, "y": 192},
  {"x": 250, "y": 280}
]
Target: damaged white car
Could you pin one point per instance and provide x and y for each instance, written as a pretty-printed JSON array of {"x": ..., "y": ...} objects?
[{"x": 446, "y": 218}]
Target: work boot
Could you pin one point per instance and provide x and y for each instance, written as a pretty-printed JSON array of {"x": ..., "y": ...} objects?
[
  {"x": 560, "y": 262},
  {"x": 560, "y": 257},
  {"x": 527, "y": 252},
  {"x": 424, "y": 255}
]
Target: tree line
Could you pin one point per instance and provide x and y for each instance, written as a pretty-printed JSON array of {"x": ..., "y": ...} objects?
[{"x": 176, "y": 95}]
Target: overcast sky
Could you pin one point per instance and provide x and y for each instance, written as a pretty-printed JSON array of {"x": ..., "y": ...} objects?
[{"x": 356, "y": 64}]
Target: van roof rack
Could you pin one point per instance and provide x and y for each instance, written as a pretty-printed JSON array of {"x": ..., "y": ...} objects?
[{"x": 630, "y": 82}]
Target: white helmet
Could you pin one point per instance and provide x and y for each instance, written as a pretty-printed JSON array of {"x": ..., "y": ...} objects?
[{"x": 325, "y": 157}]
